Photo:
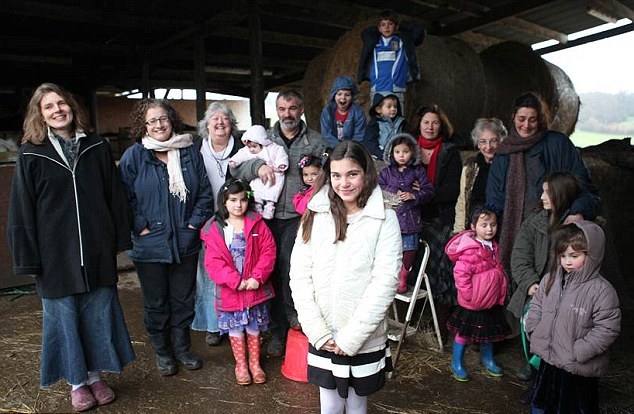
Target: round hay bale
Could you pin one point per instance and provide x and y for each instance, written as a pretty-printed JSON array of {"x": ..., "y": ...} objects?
[
  {"x": 511, "y": 69},
  {"x": 452, "y": 77},
  {"x": 312, "y": 86},
  {"x": 566, "y": 106}
]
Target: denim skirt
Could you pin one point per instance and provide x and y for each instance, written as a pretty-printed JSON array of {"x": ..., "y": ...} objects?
[
  {"x": 205, "y": 315},
  {"x": 81, "y": 333}
]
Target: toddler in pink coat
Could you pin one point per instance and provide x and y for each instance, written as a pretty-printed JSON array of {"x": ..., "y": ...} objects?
[
  {"x": 257, "y": 144},
  {"x": 481, "y": 287},
  {"x": 239, "y": 257}
]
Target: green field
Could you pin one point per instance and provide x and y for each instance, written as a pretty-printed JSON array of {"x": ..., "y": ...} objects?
[{"x": 586, "y": 139}]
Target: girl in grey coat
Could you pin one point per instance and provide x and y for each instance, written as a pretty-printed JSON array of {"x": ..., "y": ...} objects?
[{"x": 573, "y": 318}]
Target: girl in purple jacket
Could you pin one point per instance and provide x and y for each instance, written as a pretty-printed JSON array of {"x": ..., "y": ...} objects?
[
  {"x": 239, "y": 257},
  {"x": 402, "y": 156},
  {"x": 481, "y": 287}
]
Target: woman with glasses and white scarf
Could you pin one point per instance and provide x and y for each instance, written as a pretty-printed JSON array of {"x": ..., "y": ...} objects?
[{"x": 170, "y": 199}]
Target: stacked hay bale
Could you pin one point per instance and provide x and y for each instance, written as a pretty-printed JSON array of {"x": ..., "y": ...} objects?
[{"x": 467, "y": 85}]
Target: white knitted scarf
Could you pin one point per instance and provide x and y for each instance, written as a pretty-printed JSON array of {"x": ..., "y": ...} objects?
[{"x": 171, "y": 146}]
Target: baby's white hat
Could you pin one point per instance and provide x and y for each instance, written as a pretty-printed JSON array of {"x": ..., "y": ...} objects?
[{"x": 256, "y": 133}]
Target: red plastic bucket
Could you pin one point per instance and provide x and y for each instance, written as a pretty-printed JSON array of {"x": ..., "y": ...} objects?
[{"x": 295, "y": 365}]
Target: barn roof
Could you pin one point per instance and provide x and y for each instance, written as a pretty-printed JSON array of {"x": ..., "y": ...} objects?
[{"x": 113, "y": 45}]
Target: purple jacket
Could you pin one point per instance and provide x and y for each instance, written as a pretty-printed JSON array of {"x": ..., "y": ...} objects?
[{"x": 392, "y": 180}]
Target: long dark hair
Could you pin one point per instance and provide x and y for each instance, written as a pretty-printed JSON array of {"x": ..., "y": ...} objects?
[
  {"x": 563, "y": 190},
  {"x": 359, "y": 155},
  {"x": 569, "y": 235},
  {"x": 232, "y": 186}
]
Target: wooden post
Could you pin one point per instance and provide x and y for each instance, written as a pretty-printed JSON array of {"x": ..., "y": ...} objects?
[
  {"x": 257, "y": 67},
  {"x": 199, "y": 76},
  {"x": 145, "y": 80}
]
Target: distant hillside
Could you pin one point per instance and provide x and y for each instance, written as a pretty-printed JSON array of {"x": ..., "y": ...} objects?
[{"x": 607, "y": 113}]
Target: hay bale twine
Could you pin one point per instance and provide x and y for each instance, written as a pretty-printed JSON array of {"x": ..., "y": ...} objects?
[
  {"x": 565, "y": 109},
  {"x": 452, "y": 76},
  {"x": 511, "y": 69}
]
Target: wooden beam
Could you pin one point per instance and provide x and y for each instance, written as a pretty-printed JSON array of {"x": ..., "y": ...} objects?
[
  {"x": 478, "y": 41},
  {"x": 256, "y": 101},
  {"x": 87, "y": 14},
  {"x": 200, "y": 76},
  {"x": 533, "y": 29},
  {"x": 617, "y": 8},
  {"x": 269, "y": 36},
  {"x": 587, "y": 39},
  {"x": 493, "y": 15}
]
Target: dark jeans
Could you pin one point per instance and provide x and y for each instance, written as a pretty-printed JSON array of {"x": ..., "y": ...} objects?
[
  {"x": 168, "y": 293},
  {"x": 282, "y": 306}
]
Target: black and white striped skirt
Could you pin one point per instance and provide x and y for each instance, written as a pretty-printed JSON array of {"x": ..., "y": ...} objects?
[{"x": 363, "y": 372}]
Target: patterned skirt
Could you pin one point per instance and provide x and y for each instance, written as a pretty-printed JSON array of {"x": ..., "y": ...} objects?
[
  {"x": 365, "y": 373},
  {"x": 254, "y": 318},
  {"x": 484, "y": 326}
]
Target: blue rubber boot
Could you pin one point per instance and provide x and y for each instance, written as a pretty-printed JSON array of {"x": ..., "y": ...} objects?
[
  {"x": 486, "y": 350},
  {"x": 458, "y": 370}
]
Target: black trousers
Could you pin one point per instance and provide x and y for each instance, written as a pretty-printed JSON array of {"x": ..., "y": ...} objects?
[
  {"x": 168, "y": 293},
  {"x": 282, "y": 306}
]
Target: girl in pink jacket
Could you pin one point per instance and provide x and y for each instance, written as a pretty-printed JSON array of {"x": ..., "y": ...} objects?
[
  {"x": 309, "y": 168},
  {"x": 239, "y": 257},
  {"x": 481, "y": 286}
]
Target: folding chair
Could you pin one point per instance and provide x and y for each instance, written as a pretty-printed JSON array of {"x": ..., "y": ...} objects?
[{"x": 399, "y": 330}]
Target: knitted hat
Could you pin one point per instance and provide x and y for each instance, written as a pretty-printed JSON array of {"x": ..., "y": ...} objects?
[{"x": 257, "y": 134}]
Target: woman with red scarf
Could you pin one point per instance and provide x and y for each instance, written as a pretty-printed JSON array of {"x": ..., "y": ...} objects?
[{"x": 441, "y": 158}]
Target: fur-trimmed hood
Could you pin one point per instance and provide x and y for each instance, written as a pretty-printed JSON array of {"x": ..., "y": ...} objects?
[{"x": 387, "y": 153}]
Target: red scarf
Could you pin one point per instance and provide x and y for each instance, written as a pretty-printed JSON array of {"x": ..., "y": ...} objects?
[{"x": 435, "y": 146}]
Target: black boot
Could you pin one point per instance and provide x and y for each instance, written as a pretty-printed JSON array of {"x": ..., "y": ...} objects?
[
  {"x": 182, "y": 343},
  {"x": 164, "y": 358}
]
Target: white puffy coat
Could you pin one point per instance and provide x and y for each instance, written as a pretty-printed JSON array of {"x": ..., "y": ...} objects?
[{"x": 343, "y": 290}]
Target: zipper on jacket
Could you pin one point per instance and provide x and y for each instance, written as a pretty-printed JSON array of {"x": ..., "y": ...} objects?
[{"x": 552, "y": 326}]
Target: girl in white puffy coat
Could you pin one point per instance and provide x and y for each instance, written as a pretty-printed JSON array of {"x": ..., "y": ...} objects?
[{"x": 344, "y": 274}]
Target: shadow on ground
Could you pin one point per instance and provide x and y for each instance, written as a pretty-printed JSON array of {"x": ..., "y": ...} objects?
[{"x": 422, "y": 383}]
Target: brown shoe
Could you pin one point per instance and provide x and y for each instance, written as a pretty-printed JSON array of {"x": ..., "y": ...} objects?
[
  {"x": 102, "y": 392},
  {"x": 82, "y": 399}
]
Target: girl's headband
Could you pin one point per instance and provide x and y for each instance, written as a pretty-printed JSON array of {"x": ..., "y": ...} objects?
[{"x": 304, "y": 161}]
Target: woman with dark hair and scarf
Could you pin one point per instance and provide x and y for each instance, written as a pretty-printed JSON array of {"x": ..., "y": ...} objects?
[
  {"x": 440, "y": 157},
  {"x": 525, "y": 158}
]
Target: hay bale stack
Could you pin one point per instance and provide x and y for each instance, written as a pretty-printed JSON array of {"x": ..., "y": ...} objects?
[
  {"x": 466, "y": 85},
  {"x": 342, "y": 59},
  {"x": 510, "y": 69},
  {"x": 452, "y": 76},
  {"x": 566, "y": 107}
]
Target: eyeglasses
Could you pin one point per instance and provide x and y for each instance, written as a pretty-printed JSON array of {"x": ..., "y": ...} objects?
[
  {"x": 491, "y": 142},
  {"x": 153, "y": 121}
]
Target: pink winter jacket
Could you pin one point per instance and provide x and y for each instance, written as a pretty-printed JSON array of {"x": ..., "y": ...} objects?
[
  {"x": 258, "y": 264},
  {"x": 301, "y": 199},
  {"x": 478, "y": 272}
]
